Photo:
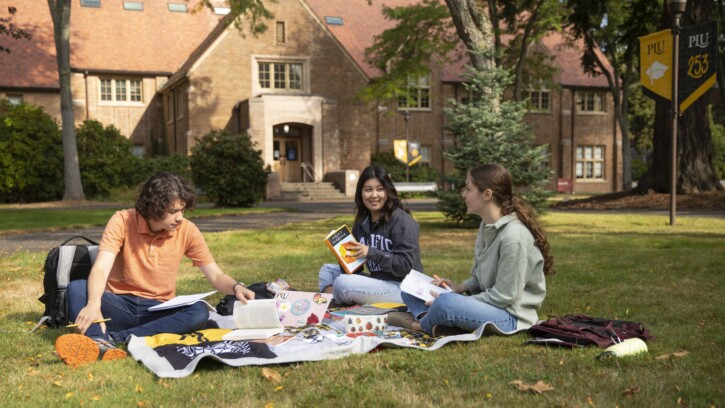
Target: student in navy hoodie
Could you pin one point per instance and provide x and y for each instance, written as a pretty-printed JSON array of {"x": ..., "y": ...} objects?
[{"x": 387, "y": 238}]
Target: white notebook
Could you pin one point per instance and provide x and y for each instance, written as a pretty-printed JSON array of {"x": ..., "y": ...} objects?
[{"x": 419, "y": 285}]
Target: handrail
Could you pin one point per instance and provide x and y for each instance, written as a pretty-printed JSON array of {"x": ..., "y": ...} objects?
[{"x": 308, "y": 171}]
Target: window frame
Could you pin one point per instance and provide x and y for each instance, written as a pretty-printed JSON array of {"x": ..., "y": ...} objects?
[
  {"x": 273, "y": 63},
  {"x": 597, "y": 98},
  {"x": 15, "y": 99},
  {"x": 280, "y": 32},
  {"x": 90, "y": 3},
  {"x": 581, "y": 158},
  {"x": 418, "y": 87},
  {"x": 113, "y": 88},
  {"x": 535, "y": 105}
]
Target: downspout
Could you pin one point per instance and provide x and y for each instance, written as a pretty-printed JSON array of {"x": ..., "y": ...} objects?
[
  {"x": 85, "y": 78},
  {"x": 571, "y": 139},
  {"x": 173, "y": 119},
  {"x": 560, "y": 170}
]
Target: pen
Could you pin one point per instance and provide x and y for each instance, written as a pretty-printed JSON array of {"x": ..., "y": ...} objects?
[
  {"x": 97, "y": 321},
  {"x": 445, "y": 285}
]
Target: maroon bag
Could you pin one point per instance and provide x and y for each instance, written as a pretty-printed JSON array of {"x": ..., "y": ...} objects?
[{"x": 582, "y": 330}]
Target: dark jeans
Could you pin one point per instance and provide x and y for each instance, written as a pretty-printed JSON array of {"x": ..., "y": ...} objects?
[{"x": 130, "y": 315}]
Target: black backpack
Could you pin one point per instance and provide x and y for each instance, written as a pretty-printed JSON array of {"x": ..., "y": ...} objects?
[
  {"x": 582, "y": 330},
  {"x": 64, "y": 263}
]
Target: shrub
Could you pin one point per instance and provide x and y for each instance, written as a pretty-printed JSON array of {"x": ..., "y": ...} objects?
[
  {"x": 31, "y": 155},
  {"x": 228, "y": 169},
  {"x": 487, "y": 130},
  {"x": 106, "y": 159},
  {"x": 396, "y": 168},
  {"x": 176, "y": 164}
]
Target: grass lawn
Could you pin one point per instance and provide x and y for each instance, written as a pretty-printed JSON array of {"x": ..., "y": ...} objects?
[
  {"x": 617, "y": 266},
  {"x": 27, "y": 219}
]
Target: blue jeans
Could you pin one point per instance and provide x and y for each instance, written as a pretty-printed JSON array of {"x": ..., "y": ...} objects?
[
  {"x": 456, "y": 310},
  {"x": 129, "y": 315},
  {"x": 356, "y": 288}
]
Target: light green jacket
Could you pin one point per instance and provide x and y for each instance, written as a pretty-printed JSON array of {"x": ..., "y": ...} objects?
[{"x": 508, "y": 270}]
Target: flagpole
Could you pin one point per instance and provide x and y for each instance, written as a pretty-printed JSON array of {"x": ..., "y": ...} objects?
[{"x": 676, "y": 9}]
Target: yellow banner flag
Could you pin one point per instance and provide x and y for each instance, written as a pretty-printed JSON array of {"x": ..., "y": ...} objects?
[
  {"x": 655, "y": 67},
  {"x": 400, "y": 148}
]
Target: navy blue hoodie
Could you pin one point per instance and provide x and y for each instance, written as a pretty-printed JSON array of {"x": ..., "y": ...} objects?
[{"x": 393, "y": 245}]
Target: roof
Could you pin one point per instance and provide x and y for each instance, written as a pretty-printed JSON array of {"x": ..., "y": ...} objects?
[
  {"x": 361, "y": 22},
  {"x": 107, "y": 38},
  {"x": 156, "y": 41}
]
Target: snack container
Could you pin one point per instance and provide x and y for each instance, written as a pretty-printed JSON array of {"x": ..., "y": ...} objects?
[{"x": 365, "y": 324}]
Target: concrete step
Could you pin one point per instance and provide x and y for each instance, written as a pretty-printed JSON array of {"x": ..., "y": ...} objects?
[{"x": 322, "y": 191}]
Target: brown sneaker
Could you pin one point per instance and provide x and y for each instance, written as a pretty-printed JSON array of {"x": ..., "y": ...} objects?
[
  {"x": 77, "y": 349},
  {"x": 401, "y": 319}
]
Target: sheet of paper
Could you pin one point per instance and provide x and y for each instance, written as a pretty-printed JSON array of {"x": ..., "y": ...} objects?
[
  {"x": 420, "y": 286},
  {"x": 183, "y": 300}
]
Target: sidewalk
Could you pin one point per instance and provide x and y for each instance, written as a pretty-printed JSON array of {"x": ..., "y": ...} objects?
[{"x": 298, "y": 212}]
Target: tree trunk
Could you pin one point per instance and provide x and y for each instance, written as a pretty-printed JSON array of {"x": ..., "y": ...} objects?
[
  {"x": 695, "y": 170},
  {"x": 519, "y": 70},
  {"x": 60, "y": 11},
  {"x": 474, "y": 28}
]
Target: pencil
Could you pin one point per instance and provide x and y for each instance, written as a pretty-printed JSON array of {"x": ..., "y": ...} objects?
[
  {"x": 445, "y": 285},
  {"x": 97, "y": 321}
]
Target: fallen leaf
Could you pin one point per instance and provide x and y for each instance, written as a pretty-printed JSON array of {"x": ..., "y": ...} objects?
[
  {"x": 69, "y": 395},
  {"x": 278, "y": 388},
  {"x": 90, "y": 376},
  {"x": 631, "y": 390},
  {"x": 57, "y": 383},
  {"x": 681, "y": 401},
  {"x": 677, "y": 354},
  {"x": 138, "y": 389},
  {"x": 96, "y": 398},
  {"x": 590, "y": 401},
  {"x": 269, "y": 405},
  {"x": 272, "y": 375},
  {"x": 538, "y": 388}
]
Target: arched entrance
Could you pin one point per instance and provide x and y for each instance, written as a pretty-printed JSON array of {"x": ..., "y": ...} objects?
[{"x": 292, "y": 146}]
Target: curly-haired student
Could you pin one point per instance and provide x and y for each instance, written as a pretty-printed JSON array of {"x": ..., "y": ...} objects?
[{"x": 136, "y": 268}]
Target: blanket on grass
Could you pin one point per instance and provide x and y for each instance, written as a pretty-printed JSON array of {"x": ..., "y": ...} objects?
[{"x": 176, "y": 356}]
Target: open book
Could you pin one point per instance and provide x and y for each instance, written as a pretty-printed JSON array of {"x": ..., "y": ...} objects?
[
  {"x": 419, "y": 285},
  {"x": 338, "y": 241},
  {"x": 255, "y": 320},
  {"x": 185, "y": 300}
]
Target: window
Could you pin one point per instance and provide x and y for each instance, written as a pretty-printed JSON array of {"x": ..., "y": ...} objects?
[
  {"x": 15, "y": 99},
  {"x": 133, "y": 5},
  {"x": 538, "y": 100},
  {"x": 179, "y": 99},
  {"x": 333, "y": 20},
  {"x": 280, "y": 33},
  {"x": 425, "y": 155},
  {"x": 178, "y": 7},
  {"x": 590, "y": 162},
  {"x": 418, "y": 96},
  {"x": 590, "y": 102},
  {"x": 222, "y": 10},
  {"x": 277, "y": 75},
  {"x": 121, "y": 90},
  {"x": 91, "y": 3}
]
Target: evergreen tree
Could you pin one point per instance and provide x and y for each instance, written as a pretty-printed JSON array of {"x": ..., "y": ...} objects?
[{"x": 489, "y": 129}]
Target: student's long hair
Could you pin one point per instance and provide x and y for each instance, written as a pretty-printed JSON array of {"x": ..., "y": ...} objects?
[
  {"x": 495, "y": 177},
  {"x": 160, "y": 191},
  {"x": 391, "y": 203}
]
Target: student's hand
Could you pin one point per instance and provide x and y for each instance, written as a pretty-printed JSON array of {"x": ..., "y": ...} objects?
[
  {"x": 358, "y": 250},
  {"x": 449, "y": 284},
  {"x": 243, "y": 294},
  {"x": 87, "y": 316}
]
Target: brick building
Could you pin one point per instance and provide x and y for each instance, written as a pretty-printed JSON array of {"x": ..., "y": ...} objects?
[{"x": 158, "y": 72}]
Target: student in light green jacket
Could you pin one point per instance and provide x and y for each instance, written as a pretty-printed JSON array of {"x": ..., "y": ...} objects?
[{"x": 511, "y": 258}]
